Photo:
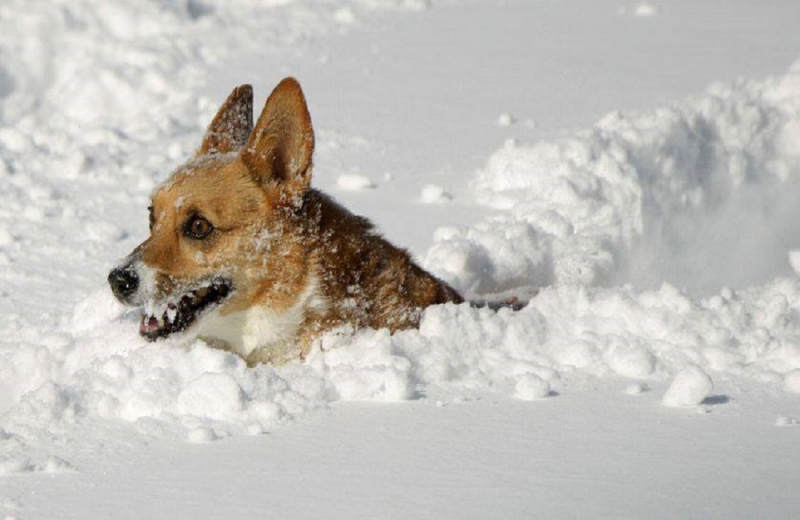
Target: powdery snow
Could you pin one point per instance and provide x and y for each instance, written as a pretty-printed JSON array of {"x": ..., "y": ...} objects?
[
  {"x": 657, "y": 248},
  {"x": 661, "y": 195},
  {"x": 100, "y": 369}
]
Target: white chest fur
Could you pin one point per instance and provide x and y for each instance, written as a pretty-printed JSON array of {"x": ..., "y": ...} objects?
[{"x": 260, "y": 327}]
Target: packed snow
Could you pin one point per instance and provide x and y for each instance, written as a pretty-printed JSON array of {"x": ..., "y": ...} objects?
[
  {"x": 657, "y": 250},
  {"x": 690, "y": 388}
]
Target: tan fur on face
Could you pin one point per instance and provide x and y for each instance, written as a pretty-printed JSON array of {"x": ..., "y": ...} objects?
[
  {"x": 276, "y": 239},
  {"x": 243, "y": 246}
]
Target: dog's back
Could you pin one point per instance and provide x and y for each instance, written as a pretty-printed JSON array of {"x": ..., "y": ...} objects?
[{"x": 370, "y": 282}]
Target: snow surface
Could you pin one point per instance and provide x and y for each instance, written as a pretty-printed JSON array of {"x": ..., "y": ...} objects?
[{"x": 655, "y": 243}]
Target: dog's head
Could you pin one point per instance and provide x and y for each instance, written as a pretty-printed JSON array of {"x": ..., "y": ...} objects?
[{"x": 222, "y": 229}]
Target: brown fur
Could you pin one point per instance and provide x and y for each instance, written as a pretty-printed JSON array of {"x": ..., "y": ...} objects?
[{"x": 272, "y": 233}]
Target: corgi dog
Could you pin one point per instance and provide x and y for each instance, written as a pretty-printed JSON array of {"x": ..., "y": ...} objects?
[{"x": 246, "y": 255}]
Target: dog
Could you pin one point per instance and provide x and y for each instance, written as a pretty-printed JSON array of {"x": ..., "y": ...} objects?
[{"x": 244, "y": 254}]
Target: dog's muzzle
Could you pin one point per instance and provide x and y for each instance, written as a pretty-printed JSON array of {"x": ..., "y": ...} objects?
[{"x": 124, "y": 282}]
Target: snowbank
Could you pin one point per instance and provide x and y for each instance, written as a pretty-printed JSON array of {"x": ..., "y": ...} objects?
[
  {"x": 567, "y": 334},
  {"x": 701, "y": 194}
]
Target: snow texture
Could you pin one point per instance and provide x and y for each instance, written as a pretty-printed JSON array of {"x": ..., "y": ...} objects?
[
  {"x": 642, "y": 198},
  {"x": 574, "y": 216},
  {"x": 637, "y": 236},
  {"x": 690, "y": 387}
]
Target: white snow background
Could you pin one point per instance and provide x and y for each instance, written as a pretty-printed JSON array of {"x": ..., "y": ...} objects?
[{"x": 636, "y": 166}]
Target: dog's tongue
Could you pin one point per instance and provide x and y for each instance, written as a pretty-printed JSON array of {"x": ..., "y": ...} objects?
[{"x": 148, "y": 324}]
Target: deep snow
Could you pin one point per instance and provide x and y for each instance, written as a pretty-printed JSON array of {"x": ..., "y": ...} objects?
[{"x": 658, "y": 239}]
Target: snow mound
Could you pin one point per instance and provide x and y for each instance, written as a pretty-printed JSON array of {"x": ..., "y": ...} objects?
[
  {"x": 684, "y": 194},
  {"x": 530, "y": 387},
  {"x": 102, "y": 371},
  {"x": 689, "y": 388}
]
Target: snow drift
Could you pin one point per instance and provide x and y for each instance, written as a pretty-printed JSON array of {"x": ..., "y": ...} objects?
[
  {"x": 645, "y": 199},
  {"x": 700, "y": 194}
]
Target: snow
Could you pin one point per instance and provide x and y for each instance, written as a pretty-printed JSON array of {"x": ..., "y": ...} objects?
[
  {"x": 794, "y": 261},
  {"x": 636, "y": 388},
  {"x": 434, "y": 194},
  {"x": 792, "y": 381},
  {"x": 354, "y": 182},
  {"x": 530, "y": 387},
  {"x": 506, "y": 119},
  {"x": 645, "y": 9},
  {"x": 690, "y": 387},
  {"x": 646, "y": 198},
  {"x": 650, "y": 219}
]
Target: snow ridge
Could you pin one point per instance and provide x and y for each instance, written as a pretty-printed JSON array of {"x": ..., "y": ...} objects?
[
  {"x": 667, "y": 195},
  {"x": 567, "y": 335}
]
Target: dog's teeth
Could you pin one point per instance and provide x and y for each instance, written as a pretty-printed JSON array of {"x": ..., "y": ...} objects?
[
  {"x": 148, "y": 324},
  {"x": 172, "y": 313}
]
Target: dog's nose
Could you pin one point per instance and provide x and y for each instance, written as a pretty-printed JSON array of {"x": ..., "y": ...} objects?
[{"x": 123, "y": 281}]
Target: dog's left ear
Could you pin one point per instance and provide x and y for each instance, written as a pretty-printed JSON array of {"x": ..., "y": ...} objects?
[
  {"x": 231, "y": 127},
  {"x": 280, "y": 147}
]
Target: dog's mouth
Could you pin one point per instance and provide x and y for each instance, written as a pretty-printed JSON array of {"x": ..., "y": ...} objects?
[{"x": 175, "y": 315}]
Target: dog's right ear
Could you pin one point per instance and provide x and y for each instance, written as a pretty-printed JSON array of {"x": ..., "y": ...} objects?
[
  {"x": 280, "y": 147},
  {"x": 231, "y": 127}
]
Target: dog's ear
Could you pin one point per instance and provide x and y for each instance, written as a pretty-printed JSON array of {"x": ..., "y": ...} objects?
[
  {"x": 232, "y": 125},
  {"x": 280, "y": 147}
]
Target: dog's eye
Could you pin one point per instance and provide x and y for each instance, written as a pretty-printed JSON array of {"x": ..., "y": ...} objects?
[{"x": 197, "y": 227}]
